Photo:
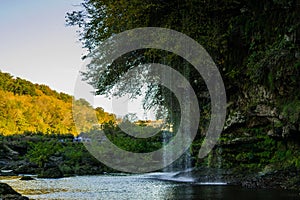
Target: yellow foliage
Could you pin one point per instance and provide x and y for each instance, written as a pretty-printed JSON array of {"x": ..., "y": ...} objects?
[{"x": 42, "y": 113}]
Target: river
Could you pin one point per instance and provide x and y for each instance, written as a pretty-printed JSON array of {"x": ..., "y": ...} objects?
[{"x": 137, "y": 187}]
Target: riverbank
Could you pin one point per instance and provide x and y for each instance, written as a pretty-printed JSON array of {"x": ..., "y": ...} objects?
[
  {"x": 53, "y": 156},
  {"x": 236, "y": 163}
]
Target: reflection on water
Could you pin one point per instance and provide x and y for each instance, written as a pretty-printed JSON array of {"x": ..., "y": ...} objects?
[
  {"x": 94, "y": 187},
  {"x": 142, "y": 187}
]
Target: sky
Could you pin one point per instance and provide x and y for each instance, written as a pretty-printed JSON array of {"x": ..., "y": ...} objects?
[{"x": 36, "y": 45}]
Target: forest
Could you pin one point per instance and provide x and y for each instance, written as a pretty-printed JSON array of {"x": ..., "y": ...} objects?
[
  {"x": 32, "y": 108},
  {"x": 255, "y": 46}
]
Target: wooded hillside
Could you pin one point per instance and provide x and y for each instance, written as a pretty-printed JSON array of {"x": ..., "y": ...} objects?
[{"x": 28, "y": 107}]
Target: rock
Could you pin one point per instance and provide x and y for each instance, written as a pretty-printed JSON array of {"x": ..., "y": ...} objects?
[
  {"x": 278, "y": 179},
  {"x": 56, "y": 159},
  {"x": 51, "y": 172},
  {"x": 4, "y": 162},
  {"x": 14, "y": 197},
  {"x": 233, "y": 119},
  {"x": 27, "y": 168},
  {"x": 263, "y": 110},
  {"x": 7, "y": 193},
  {"x": 7, "y": 172},
  {"x": 240, "y": 141},
  {"x": 9, "y": 151},
  {"x": 21, "y": 166},
  {"x": 6, "y": 189},
  {"x": 26, "y": 178}
]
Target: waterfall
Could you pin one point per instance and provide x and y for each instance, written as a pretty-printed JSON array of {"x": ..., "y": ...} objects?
[
  {"x": 187, "y": 160},
  {"x": 184, "y": 163},
  {"x": 179, "y": 170},
  {"x": 167, "y": 155}
]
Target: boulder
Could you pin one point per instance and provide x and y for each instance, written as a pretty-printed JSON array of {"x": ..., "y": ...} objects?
[
  {"x": 26, "y": 178},
  {"x": 7, "y": 193},
  {"x": 7, "y": 172}
]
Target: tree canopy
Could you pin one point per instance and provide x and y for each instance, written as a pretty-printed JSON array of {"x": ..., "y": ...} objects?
[
  {"x": 253, "y": 43},
  {"x": 33, "y": 108}
]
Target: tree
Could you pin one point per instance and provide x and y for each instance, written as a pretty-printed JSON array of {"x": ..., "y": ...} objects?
[
  {"x": 250, "y": 42},
  {"x": 28, "y": 107},
  {"x": 102, "y": 19}
]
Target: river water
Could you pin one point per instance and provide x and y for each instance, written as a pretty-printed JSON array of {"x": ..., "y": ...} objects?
[{"x": 140, "y": 187}]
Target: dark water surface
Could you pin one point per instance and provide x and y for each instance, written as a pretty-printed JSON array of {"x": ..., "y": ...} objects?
[{"x": 140, "y": 187}]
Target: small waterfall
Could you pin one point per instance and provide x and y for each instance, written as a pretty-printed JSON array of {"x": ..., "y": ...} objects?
[
  {"x": 179, "y": 170},
  {"x": 187, "y": 160},
  {"x": 184, "y": 163}
]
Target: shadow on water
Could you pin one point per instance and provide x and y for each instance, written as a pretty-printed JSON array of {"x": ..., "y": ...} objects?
[
  {"x": 199, "y": 192},
  {"x": 189, "y": 189}
]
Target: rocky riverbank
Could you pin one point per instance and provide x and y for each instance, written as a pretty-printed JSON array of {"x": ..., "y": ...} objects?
[
  {"x": 253, "y": 162},
  {"x": 47, "y": 157}
]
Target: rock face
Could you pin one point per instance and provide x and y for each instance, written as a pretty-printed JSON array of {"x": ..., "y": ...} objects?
[
  {"x": 260, "y": 144},
  {"x": 7, "y": 193},
  {"x": 257, "y": 106},
  {"x": 282, "y": 179}
]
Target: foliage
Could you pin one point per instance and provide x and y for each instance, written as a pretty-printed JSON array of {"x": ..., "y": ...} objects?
[
  {"x": 40, "y": 152},
  {"x": 130, "y": 143},
  {"x": 291, "y": 111},
  {"x": 263, "y": 154},
  {"x": 27, "y": 107},
  {"x": 72, "y": 157},
  {"x": 272, "y": 64},
  {"x": 254, "y": 45},
  {"x": 251, "y": 43}
]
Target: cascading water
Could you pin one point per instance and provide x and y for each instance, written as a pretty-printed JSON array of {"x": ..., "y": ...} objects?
[
  {"x": 184, "y": 163},
  {"x": 180, "y": 169},
  {"x": 187, "y": 161},
  {"x": 167, "y": 155},
  {"x": 186, "y": 125}
]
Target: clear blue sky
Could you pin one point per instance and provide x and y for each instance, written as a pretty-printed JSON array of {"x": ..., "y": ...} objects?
[{"x": 36, "y": 45}]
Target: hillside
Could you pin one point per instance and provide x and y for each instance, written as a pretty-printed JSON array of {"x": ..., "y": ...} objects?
[{"x": 34, "y": 108}]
